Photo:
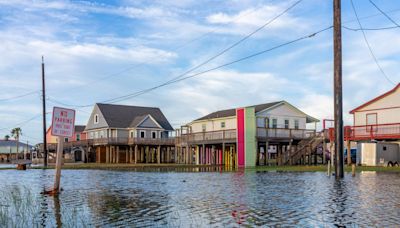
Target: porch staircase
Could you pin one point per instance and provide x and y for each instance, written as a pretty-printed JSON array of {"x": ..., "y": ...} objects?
[{"x": 306, "y": 149}]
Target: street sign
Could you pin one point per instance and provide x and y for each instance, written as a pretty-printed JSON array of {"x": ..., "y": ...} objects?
[{"x": 63, "y": 122}]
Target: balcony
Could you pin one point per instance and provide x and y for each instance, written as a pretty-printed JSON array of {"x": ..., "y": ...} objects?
[
  {"x": 132, "y": 141},
  {"x": 283, "y": 133},
  {"x": 230, "y": 135},
  {"x": 371, "y": 132}
]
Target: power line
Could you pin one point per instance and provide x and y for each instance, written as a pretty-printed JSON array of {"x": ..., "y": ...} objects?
[
  {"x": 369, "y": 46},
  {"x": 387, "y": 16},
  {"x": 224, "y": 65},
  {"x": 19, "y": 96},
  {"x": 129, "y": 68},
  {"x": 206, "y": 61},
  {"x": 138, "y": 93},
  {"x": 22, "y": 123},
  {"x": 370, "y": 29}
]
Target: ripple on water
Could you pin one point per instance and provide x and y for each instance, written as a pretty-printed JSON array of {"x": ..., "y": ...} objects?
[{"x": 189, "y": 199}]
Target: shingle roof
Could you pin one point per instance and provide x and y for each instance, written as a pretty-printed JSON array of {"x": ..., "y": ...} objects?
[
  {"x": 5, "y": 144},
  {"x": 232, "y": 112},
  {"x": 79, "y": 128},
  {"x": 123, "y": 116}
]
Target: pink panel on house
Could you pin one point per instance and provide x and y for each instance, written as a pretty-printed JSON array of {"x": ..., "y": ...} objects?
[
  {"x": 220, "y": 157},
  {"x": 240, "y": 136}
]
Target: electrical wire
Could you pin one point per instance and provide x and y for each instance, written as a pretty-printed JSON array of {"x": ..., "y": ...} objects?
[
  {"x": 369, "y": 29},
  {"x": 19, "y": 96},
  {"x": 138, "y": 93},
  {"x": 387, "y": 16},
  {"x": 369, "y": 46}
]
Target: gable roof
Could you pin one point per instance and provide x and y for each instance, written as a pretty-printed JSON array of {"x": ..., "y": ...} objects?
[
  {"x": 258, "y": 108},
  {"x": 232, "y": 111},
  {"x": 140, "y": 119},
  {"x": 124, "y": 116},
  {"x": 376, "y": 99}
]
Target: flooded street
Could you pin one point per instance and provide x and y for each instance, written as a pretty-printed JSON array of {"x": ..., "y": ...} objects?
[{"x": 198, "y": 199}]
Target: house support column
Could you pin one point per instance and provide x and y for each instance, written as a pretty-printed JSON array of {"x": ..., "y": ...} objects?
[
  {"x": 136, "y": 154},
  {"x": 142, "y": 153},
  {"x": 147, "y": 154},
  {"x": 159, "y": 154},
  {"x": 111, "y": 154},
  {"x": 223, "y": 153},
  {"x": 266, "y": 153},
  {"x": 197, "y": 155},
  {"x": 130, "y": 155},
  {"x": 213, "y": 155},
  {"x": 348, "y": 145},
  {"x": 107, "y": 154},
  {"x": 169, "y": 154},
  {"x": 117, "y": 154}
]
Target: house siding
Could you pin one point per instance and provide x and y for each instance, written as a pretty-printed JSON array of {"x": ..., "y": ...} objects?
[
  {"x": 102, "y": 122},
  {"x": 282, "y": 113},
  {"x": 214, "y": 124},
  {"x": 386, "y": 108},
  {"x": 148, "y": 123}
]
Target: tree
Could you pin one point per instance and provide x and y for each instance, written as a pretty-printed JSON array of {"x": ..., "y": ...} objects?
[
  {"x": 16, "y": 132},
  {"x": 6, "y": 137}
]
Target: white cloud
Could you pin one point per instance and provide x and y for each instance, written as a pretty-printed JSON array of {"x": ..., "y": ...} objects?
[
  {"x": 226, "y": 89},
  {"x": 251, "y": 18}
]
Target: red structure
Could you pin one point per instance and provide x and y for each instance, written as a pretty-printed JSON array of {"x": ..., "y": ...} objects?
[{"x": 372, "y": 132}]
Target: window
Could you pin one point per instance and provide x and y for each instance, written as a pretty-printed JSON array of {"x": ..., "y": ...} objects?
[
  {"x": 286, "y": 124},
  {"x": 65, "y": 139},
  {"x": 132, "y": 134},
  {"x": 274, "y": 123},
  {"x": 142, "y": 134},
  {"x": 96, "y": 135},
  {"x": 296, "y": 124},
  {"x": 203, "y": 127},
  {"x": 384, "y": 148},
  {"x": 96, "y": 119},
  {"x": 153, "y": 134},
  {"x": 372, "y": 118},
  {"x": 78, "y": 137},
  {"x": 222, "y": 124}
]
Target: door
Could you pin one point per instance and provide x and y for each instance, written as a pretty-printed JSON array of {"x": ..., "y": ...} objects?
[{"x": 372, "y": 121}]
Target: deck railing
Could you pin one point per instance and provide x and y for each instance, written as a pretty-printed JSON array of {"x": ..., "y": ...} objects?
[
  {"x": 225, "y": 135},
  {"x": 370, "y": 132},
  {"x": 230, "y": 135},
  {"x": 284, "y": 133}
]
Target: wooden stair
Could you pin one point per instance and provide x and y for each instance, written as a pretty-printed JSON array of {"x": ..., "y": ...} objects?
[{"x": 305, "y": 149}]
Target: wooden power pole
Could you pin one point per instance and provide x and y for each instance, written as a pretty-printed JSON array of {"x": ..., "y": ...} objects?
[
  {"x": 44, "y": 115},
  {"x": 338, "y": 99}
]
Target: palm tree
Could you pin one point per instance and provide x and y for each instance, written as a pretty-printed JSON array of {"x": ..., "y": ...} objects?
[
  {"x": 6, "y": 137},
  {"x": 16, "y": 132}
]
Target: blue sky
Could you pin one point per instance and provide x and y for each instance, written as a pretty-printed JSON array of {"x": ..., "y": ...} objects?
[{"x": 99, "y": 50}]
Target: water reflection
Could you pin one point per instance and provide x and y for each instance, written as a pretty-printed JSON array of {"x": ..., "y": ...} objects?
[{"x": 99, "y": 198}]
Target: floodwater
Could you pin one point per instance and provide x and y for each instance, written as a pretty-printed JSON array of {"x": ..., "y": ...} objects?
[{"x": 98, "y": 198}]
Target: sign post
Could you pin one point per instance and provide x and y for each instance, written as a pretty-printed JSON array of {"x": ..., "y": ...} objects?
[{"x": 63, "y": 125}]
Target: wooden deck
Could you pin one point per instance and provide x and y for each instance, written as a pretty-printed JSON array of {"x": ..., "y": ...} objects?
[
  {"x": 229, "y": 136},
  {"x": 372, "y": 132}
]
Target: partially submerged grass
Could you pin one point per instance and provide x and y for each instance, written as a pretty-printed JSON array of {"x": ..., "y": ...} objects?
[{"x": 134, "y": 167}]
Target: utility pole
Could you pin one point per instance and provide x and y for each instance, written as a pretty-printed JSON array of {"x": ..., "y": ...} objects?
[
  {"x": 44, "y": 115},
  {"x": 338, "y": 99}
]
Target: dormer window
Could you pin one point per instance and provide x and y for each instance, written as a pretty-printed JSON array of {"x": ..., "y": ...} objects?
[{"x": 96, "y": 119}]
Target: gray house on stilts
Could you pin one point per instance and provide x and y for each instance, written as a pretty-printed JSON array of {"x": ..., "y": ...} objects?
[{"x": 129, "y": 134}]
